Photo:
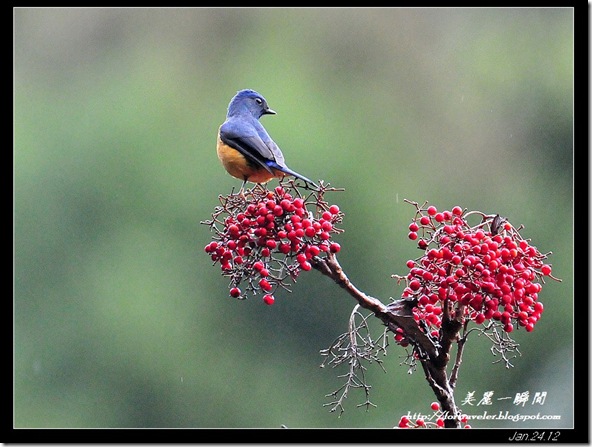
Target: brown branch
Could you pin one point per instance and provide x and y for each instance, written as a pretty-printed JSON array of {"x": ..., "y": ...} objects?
[
  {"x": 396, "y": 314},
  {"x": 438, "y": 380},
  {"x": 459, "y": 351},
  {"x": 330, "y": 267}
]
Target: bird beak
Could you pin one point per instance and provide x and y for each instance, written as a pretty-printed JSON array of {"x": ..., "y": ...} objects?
[{"x": 268, "y": 111}]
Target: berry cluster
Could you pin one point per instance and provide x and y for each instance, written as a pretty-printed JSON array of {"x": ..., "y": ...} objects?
[
  {"x": 264, "y": 237},
  {"x": 426, "y": 421},
  {"x": 483, "y": 272}
]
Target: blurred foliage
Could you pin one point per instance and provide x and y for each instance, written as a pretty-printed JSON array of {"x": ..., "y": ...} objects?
[{"x": 120, "y": 320}]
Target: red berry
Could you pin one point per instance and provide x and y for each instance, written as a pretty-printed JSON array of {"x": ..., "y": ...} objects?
[
  {"x": 235, "y": 292},
  {"x": 334, "y": 209},
  {"x": 314, "y": 250},
  {"x": 264, "y": 284},
  {"x": 268, "y": 299},
  {"x": 233, "y": 229},
  {"x": 414, "y": 285},
  {"x": 435, "y": 406},
  {"x": 298, "y": 203},
  {"x": 546, "y": 269},
  {"x": 309, "y": 232},
  {"x": 258, "y": 266},
  {"x": 427, "y": 276},
  {"x": 334, "y": 247},
  {"x": 432, "y": 210}
]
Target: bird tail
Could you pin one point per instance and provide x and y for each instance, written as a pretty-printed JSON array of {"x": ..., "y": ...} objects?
[{"x": 287, "y": 170}]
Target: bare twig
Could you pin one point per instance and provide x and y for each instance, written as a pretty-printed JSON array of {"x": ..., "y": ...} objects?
[{"x": 354, "y": 347}]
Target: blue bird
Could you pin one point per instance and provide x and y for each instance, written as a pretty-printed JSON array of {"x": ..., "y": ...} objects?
[{"x": 245, "y": 148}]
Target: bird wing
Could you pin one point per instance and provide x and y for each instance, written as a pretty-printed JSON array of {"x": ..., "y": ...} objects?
[{"x": 251, "y": 140}]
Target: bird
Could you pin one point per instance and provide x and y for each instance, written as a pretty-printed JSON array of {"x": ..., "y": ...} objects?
[{"x": 244, "y": 147}]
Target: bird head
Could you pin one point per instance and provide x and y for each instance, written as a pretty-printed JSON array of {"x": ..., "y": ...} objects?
[{"x": 249, "y": 101}]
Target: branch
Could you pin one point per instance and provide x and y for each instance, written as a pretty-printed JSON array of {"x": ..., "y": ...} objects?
[
  {"x": 397, "y": 314},
  {"x": 459, "y": 352},
  {"x": 330, "y": 267}
]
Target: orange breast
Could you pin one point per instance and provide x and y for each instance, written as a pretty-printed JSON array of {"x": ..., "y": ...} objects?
[{"x": 237, "y": 165}]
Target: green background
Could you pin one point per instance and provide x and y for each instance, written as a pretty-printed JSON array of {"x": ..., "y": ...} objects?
[{"x": 120, "y": 318}]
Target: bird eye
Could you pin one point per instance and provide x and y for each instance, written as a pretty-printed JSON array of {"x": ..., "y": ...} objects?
[{"x": 259, "y": 101}]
